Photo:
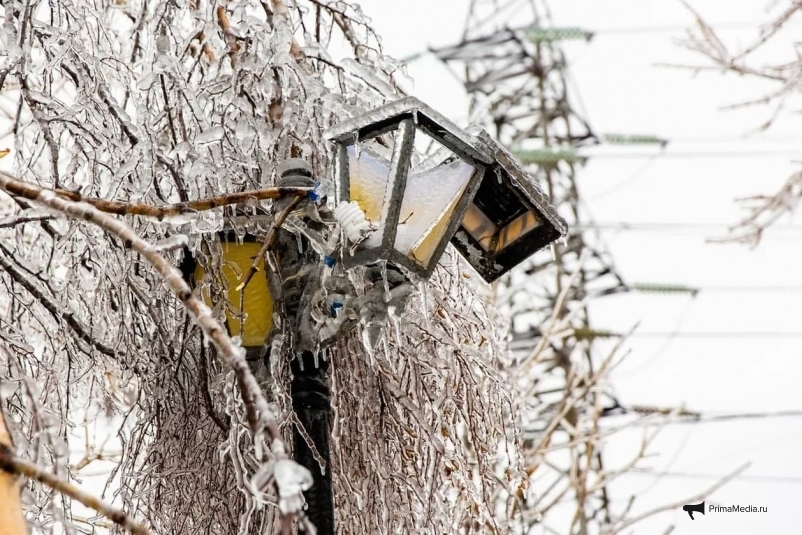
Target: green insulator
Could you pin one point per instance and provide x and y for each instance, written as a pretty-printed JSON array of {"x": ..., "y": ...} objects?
[
  {"x": 584, "y": 333},
  {"x": 634, "y": 139},
  {"x": 547, "y": 156},
  {"x": 664, "y": 288},
  {"x": 551, "y": 35}
]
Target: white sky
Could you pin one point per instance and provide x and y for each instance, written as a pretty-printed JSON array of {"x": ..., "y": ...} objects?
[{"x": 621, "y": 90}]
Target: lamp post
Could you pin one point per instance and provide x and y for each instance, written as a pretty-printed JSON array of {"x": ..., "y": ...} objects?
[
  {"x": 399, "y": 204},
  {"x": 239, "y": 246}
]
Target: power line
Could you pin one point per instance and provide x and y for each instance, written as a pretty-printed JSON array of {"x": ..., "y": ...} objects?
[
  {"x": 634, "y": 30},
  {"x": 671, "y": 288},
  {"x": 695, "y": 154},
  {"x": 661, "y": 226},
  {"x": 720, "y": 334},
  {"x": 523, "y": 344},
  {"x": 746, "y": 477}
]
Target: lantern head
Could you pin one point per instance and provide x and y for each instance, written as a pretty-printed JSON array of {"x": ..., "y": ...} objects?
[
  {"x": 413, "y": 203},
  {"x": 509, "y": 219}
]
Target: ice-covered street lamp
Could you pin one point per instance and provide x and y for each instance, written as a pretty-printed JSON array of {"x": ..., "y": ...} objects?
[
  {"x": 412, "y": 204},
  {"x": 398, "y": 206}
]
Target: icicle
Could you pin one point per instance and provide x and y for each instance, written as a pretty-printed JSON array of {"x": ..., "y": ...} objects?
[
  {"x": 424, "y": 301},
  {"x": 357, "y": 148},
  {"x": 565, "y": 241},
  {"x": 366, "y": 342},
  {"x": 415, "y": 116},
  {"x": 396, "y": 326},
  {"x": 383, "y": 271},
  {"x": 553, "y": 253}
]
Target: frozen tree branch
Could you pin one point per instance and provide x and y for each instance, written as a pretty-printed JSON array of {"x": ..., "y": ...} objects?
[
  {"x": 11, "y": 464},
  {"x": 679, "y": 503},
  {"x": 763, "y": 210},
  {"x": 260, "y": 416},
  {"x": 161, "y": 212},
  {"x": 269, "y": 240}
]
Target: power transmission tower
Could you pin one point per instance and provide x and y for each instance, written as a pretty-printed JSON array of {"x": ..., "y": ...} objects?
[{"x": 518, "y": 83}]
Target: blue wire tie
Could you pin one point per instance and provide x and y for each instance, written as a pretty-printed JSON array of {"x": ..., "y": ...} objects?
[
  {"x": 329, "y": 261},
  {"x": 314, "y": 195}
]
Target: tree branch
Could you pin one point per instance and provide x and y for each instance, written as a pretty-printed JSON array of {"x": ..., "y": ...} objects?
[
  {"x": 259, "y": 414},
  {"x": 24, "y": 189},
  {"x": 271, "y": 237}
]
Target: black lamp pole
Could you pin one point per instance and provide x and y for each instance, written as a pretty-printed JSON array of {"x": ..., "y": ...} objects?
[{"x": 310, "y": 383}]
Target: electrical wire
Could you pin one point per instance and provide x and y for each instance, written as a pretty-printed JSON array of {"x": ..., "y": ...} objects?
[
  {"x": 665, "y": 226},
  {"x": 696, "y": 154},
  {"x": 744, "y": 477}
]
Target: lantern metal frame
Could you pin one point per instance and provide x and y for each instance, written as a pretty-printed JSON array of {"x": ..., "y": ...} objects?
[
  {"x": 405, "y": 116},
  {"x": 508, "y": 187}
]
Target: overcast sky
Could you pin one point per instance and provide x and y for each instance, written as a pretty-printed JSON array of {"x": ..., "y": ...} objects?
[{"x": 620, "y": 89}]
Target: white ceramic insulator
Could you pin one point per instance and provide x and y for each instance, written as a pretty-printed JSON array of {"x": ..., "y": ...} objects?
[{"x": 352, "y": 220}]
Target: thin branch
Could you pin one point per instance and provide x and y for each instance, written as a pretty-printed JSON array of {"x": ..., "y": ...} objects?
[
  {"x": 58, "y": 312},
  {"x": 695, "y": 498},
  {"x": 13, "y": 221},
  {"x": 24, "y": 189},
  {"x": 12, "y": 464},
  {"x": 268, "y": 243}
]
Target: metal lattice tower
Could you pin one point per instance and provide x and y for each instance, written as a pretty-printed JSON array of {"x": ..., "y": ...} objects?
[{"x": 515, "y": 74}]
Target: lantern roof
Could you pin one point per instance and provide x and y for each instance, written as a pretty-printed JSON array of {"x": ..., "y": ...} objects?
[{"x": 385, "y": 118}]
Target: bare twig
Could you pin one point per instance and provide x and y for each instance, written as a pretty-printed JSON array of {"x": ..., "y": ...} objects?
[
  {"x": 268, "y": 243},
  {"x": 690, "y": 499},
  {"x": 58, "y": 312}
]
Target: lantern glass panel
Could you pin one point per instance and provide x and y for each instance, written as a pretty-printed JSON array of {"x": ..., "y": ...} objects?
[
  {"x": 497, "y": 218},
  {"x": 434, "y": 186},
  {"x": 369, "y": 170},
  {"x": 257, "y": 304}
]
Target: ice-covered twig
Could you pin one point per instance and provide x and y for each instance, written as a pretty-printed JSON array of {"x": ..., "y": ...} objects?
[
  {"x": 271, "y": 237},
  {"x": 12, "y": 464},
  {"x": 23, "y": 189}
]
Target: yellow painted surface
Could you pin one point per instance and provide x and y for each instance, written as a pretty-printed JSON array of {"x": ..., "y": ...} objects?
[
  {"x": 12, "y": 521},
  {"x": 422, "y": 251},
  {"x": 523, "y": 224},
  {"x": 258, "y": 303}
]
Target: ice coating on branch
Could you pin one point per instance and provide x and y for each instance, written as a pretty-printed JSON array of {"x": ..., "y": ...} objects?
[
  {"x": 210, "y": 136},
  {"x": 291, "y": 479},
  {"x": 172, "y": 243}
]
